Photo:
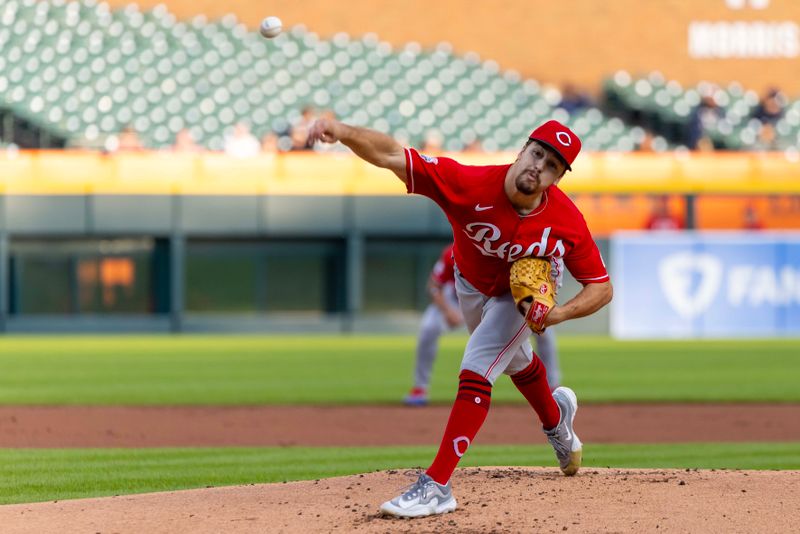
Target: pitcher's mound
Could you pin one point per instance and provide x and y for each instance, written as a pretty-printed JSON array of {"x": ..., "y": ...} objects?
[{"x": 493, "y": 499}]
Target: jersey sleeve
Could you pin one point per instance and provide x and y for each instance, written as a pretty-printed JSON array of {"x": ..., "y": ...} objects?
[
  {"x": 434, "y": 177},
  {"x": 584, "y": 261}
]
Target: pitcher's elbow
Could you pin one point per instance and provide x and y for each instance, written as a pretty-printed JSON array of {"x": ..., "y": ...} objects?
[{"x": 609, "y": 293}]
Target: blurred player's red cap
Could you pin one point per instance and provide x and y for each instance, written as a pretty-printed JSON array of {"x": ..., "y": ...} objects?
[{"x": 560, "y": 138}]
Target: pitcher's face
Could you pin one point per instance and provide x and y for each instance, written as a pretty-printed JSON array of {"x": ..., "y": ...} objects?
[{"x": 536, "y": 168}]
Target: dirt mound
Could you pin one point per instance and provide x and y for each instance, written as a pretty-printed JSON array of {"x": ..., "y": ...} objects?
[
  {"x": 496, "y": 499},
  {"x": 193, "y": 426}
]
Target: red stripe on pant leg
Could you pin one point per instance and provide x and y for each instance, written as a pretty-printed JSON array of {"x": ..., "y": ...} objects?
[
  {"x": 466, "y": 417},
  {"x": 532, "y": 383},
  {"x": 524, "y": 328}
]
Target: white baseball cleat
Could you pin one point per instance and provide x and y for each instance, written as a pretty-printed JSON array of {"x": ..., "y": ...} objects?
[
  {"x": 424, "y": 497},
  {"x": 563, "y": 437}
]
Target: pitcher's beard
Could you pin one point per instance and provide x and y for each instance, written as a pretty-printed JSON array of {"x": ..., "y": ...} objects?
[{"x": 526, "y": 186}]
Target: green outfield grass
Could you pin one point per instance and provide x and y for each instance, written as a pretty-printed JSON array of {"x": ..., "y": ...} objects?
[
  {"x": 31, "y": 475},
  {"x": 128, "y": 370}
]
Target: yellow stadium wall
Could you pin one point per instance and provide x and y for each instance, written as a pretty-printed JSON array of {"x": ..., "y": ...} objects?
[
  {"x": 613, "y": 191},
  {"x": 214, "y": 173},
  {"x": 581, "y": 41}
]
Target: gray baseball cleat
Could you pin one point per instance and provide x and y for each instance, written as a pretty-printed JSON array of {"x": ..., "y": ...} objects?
[
  {"x": 423, "y": 497},
  {"x": 563, "y": 438}
]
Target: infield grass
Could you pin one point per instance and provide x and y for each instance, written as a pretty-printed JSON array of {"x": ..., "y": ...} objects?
[
  {"x": 242, "y": 370},
  {"x": 32, "y": 475}
]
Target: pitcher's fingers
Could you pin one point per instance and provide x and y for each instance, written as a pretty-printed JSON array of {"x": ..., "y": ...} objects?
[{"x": 313, "y": 136}]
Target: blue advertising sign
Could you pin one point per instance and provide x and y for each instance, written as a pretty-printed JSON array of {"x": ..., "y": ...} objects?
[{"x": 705, "y": 284}]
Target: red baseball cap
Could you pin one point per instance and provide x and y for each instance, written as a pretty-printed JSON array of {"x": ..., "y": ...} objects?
[{"x": 559, "y": 138}]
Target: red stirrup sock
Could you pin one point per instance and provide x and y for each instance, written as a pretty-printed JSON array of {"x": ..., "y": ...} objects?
[
  {"x": 532, "y": 383},
  {"x": 468, "y": 414}
]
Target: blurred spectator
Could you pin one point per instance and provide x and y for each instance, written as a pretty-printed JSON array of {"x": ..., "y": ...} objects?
[
  {"x": 750, "y": 219},
  {"x": 307, "y": 116},
  {"x": 184, "y": 142},
  {"x": 770, "y": 107},
  {"x": 645, "y": 143},
  {"x": 299, "y": 137},
  {"x": 11, "y": 149},
  {"x": 269, "y": 143},
  {"x": 299, "y": 130},
  {"x": 573, "y": 99},
  {"x": 241, "y": 143},
  {"x": 433, "y": 143},
  {"x": 705, "y": 144},
  {"x": 767, "y": 138},
  {"x": 474, "y": 146},
  {"x": 661, "y": 219},
  {"x": 702, "y": 120},
  {"x": 128, "y": 139}
]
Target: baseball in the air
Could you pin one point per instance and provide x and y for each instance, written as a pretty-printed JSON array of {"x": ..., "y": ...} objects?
[{"x": 271, "y": 27}]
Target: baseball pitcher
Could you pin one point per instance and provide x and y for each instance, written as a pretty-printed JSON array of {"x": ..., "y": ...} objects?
[{"x": 512, "y": 227}]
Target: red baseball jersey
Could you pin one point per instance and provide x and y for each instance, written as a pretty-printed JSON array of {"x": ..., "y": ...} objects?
[
  {"x": 490, "y": 235},
  {"x": 443, "y": 271}
]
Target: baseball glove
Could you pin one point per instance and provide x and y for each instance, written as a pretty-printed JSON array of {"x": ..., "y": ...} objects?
[{"x": 531, "y": 283}]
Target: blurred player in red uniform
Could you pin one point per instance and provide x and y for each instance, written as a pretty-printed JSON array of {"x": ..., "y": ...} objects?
[
  {"x": 441, "y": 314},
  {"x": 661, "y": 218},
  {"x": 499, "y": 214},
  {"x": 750, "y": 219}
]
